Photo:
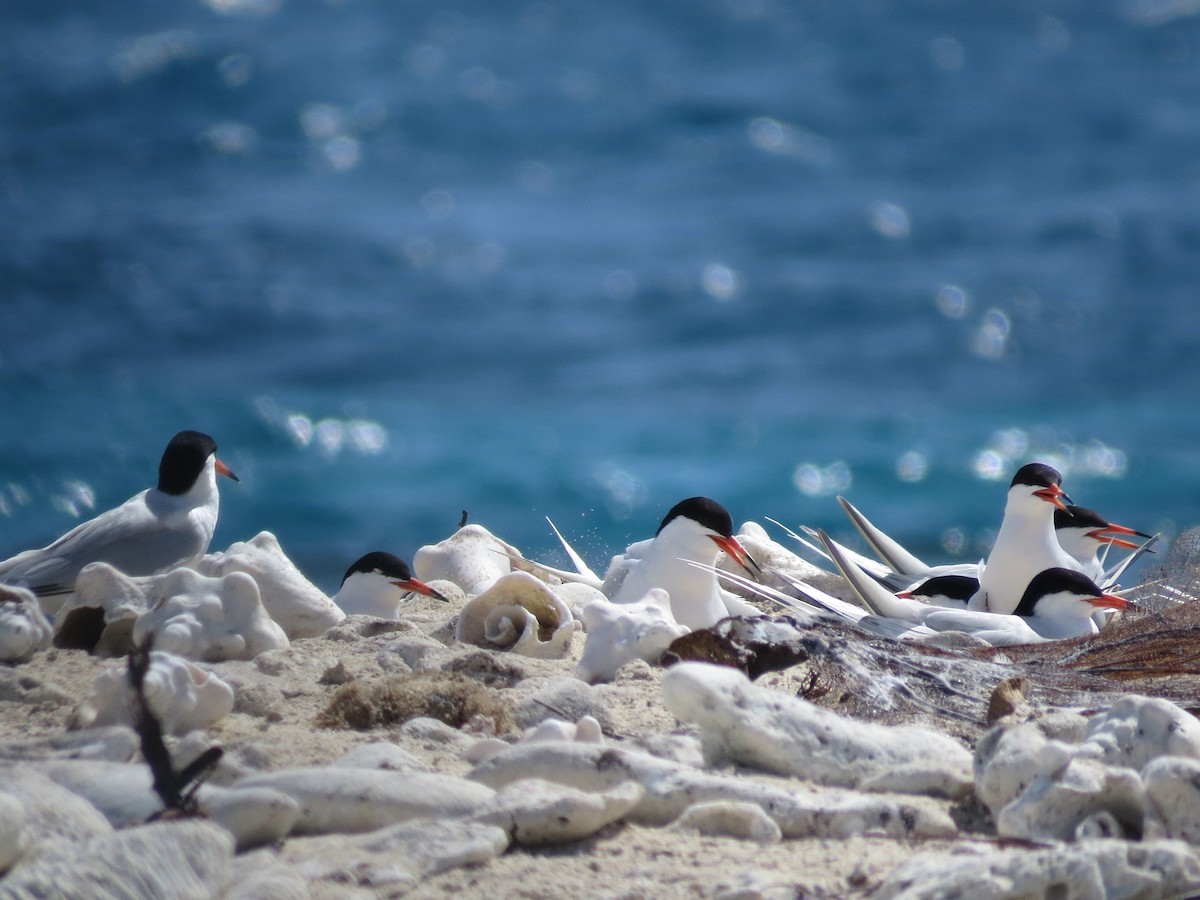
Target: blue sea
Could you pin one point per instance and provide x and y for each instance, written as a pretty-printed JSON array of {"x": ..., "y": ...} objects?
[{"x": 580, "y": 261}]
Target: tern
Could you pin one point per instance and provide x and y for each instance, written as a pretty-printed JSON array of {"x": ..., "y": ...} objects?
[
  {"x": 376, "y": 584},
  {"x": 1081, "y": 532},
  {"x": 1084, "y": 533},
  {"x": 161, "y": 528},
  {"x": 1057, "y": 604},
  {"x": 695, "y": 530},
  {"x": 1025, "y": 545}
]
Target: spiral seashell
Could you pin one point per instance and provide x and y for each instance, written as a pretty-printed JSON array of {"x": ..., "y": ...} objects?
[{"x": 521, "y": 614}]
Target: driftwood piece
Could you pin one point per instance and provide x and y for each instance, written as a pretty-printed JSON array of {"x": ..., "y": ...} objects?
[{"x": 898, "y": 682}]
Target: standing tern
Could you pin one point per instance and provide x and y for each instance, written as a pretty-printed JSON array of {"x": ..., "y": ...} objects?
[
  {"x": 159, "y": 529},
  {"x": 1025, "y": 544},
  {"x": 376, "y": 584},
  {"x": 695, "y": 530}
]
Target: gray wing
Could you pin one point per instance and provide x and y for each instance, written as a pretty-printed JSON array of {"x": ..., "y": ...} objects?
[
  {"x": 129, "y": 537},
  {"x": 889, "y": 551},
  {"x": 997, "y": 629}
]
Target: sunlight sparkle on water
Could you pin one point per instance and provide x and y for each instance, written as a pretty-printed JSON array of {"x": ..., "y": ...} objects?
[
  {"x": 1010, "y": 448},
  {"x": 890, "y": 220},
  {"x": 912, "y": 467},
  {"x": 954, "y": 539},
  {"x": 952, "y": 301},
  {"x": 231, "y": 139},
  {"x": 822, "y": 481},
  {"x": 774, "y": 136},
  {"x": 991, "y": 339},
  {"x": 149, "y": 53},
  {"x": 329, "y": 435},
  {"x": 623, "y": 491},
  {"x": 719, "y": 281},
  {"x": 342, "y": 152},
  {"x": 77, "y": 496}
]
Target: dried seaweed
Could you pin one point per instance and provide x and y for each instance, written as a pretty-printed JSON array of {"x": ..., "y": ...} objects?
[{"x": 447, "y": 696}]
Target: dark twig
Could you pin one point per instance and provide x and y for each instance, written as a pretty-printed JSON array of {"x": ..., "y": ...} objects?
[{"x": 172, "y": 787}]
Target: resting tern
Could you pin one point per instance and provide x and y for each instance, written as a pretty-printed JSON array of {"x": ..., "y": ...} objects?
[
  {"x": 376, "y": 584},
  {"x": 161, "y": 528},
  {"x": 695, "y": 530},
  {"x": 1058, "y": 603}
]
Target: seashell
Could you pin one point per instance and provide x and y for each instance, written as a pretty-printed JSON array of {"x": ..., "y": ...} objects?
[
  {"x": 539, "y": 813},
  {"x": 210, "y": 619},
  {"x": 254, "y": 816},
  {"x": 618, "y": 633},
  {"x": 293, "y": 601},
  {"x": 1136, "y": 730},
  {"x": 180, "y": 693},
  {"x": 124, "y": 793},
  {"x": 1055, "y": 805},
  {"x": 23, "y": 628},
  {"x": 472, "y": 557},
  {"x": 762, "y": 729},
  {"x": 391, "y": 860},
  {"x": 671, "y": 787},
  {"x": 188, "y": 858},
  {"x": 736, "y": 819},
  {"x": 586, "y": 731},
  {"x": 1173, "y": 798},
  {"x": 1010, "y": 757},
  {"x": 116, "y": 743},
  {"x": 12, "y": 831},
  {"x": 53, "y": 815},
  {"x": 1088, "y": 869},
  {"x": 521, "y": 614},
  {"x": 99, "y": 616},
  {"x": 343, "y": 799}
]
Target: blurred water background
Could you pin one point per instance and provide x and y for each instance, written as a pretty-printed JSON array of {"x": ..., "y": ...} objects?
[{"x": 537, "y": 259}]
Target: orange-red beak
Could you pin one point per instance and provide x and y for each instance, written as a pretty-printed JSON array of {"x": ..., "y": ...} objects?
[
  {"x": 420, "y": 587},
  {"x": 1100, "y": 535},
  {"x": 223, "y": 469},
  {"x": 1110, "y": 601},
  {"x": 737, "y": 553},
  {"x": 1054, "y": 494}
]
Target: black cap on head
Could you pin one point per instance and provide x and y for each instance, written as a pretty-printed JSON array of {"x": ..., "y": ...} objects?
[
  {"x": 183, "y": 461},
  {"x": 709, "y": 513},
  {"x": 1054, "y": 581},
  {"x": 1037, "y": 475},
  {"x": 1079, "y": 517},
  {"x": 957, "y": 587},
  {"x": 386, "y": 564}
]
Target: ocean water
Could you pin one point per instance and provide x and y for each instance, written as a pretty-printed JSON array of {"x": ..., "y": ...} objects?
[{"x": 584, "y": 260}]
